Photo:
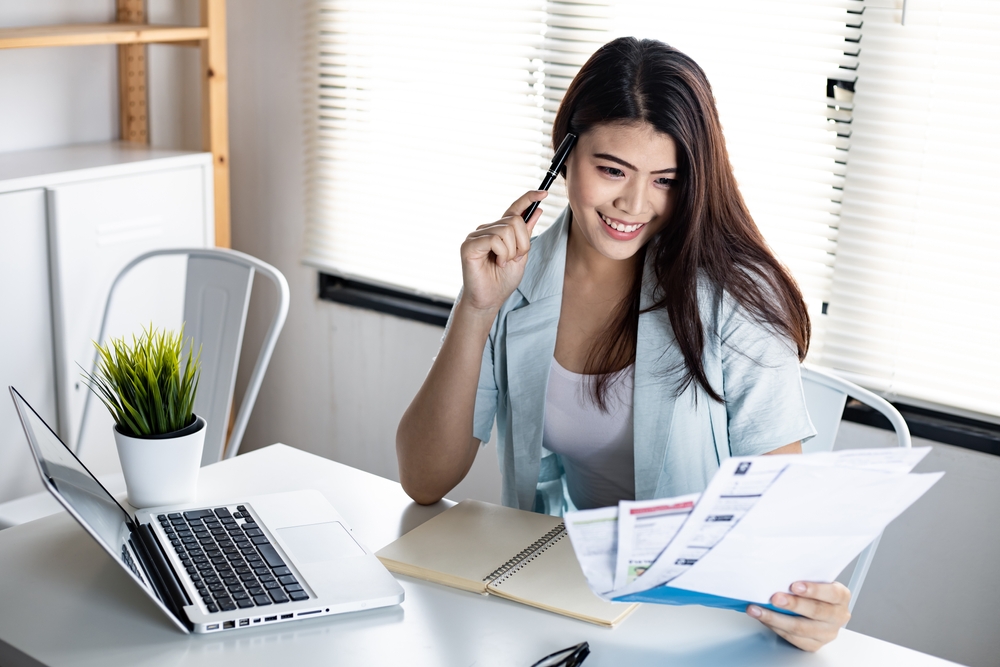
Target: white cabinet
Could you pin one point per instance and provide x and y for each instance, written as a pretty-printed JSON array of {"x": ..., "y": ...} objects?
[
  {"x": 26, "y": 359},
  {"x": 70, "y": 219}
]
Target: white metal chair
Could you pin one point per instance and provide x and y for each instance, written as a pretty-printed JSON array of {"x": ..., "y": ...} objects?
[
  {"x": 216, "y": 301},
  {"x": 826, "y": 394}
]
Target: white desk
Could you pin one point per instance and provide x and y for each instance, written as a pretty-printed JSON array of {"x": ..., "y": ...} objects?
[{"x": 63, "y": 602}]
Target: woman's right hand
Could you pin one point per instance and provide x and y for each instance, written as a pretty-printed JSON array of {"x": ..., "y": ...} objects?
[{"x": 494, "y": 256}]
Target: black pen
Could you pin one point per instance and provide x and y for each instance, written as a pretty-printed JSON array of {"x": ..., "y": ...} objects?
[{"x": 557, "y": 163}]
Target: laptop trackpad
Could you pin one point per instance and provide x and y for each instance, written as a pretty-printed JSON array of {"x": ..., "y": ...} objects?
[{"x": 319, "y": 542}]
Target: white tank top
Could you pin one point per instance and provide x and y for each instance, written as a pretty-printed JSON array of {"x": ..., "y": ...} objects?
[{"x": 595, "y": 446}]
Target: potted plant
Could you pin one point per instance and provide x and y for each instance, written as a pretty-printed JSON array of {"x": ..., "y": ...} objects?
[{"x": 149, "y": 387}]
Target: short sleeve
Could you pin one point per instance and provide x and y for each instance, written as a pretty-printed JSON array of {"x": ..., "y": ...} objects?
[
  {"x": 765, "y": 403},
  {"x": 486, "y": 392}
]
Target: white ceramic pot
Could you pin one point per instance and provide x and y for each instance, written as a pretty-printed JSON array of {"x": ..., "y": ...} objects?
[{"x": 162, "y": 470}]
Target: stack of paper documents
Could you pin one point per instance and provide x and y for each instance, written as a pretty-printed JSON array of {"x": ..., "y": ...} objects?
[{"x": 762, "y": 524}]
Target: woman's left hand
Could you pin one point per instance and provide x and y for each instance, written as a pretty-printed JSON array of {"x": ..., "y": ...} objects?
[{"x": 821, "y": 608}]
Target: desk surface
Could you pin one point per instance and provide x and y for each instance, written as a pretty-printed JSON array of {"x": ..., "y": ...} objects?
[{"x": 63, "y": 602}]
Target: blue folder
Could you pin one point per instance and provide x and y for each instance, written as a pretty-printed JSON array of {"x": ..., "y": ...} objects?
[{"x": 665, "y": 594}]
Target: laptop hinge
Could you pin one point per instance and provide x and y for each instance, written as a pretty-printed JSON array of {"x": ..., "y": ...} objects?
[{"x": 160, "y": 574}]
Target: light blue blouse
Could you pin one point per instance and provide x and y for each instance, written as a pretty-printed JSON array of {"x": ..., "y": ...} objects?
[{"x": 679, "y": 439}]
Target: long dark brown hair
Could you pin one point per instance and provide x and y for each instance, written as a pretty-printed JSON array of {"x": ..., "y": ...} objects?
[{"x": 710, "y": 229}]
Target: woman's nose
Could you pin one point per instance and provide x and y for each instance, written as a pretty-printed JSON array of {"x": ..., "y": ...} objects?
[{"x": 632, "y": 199}]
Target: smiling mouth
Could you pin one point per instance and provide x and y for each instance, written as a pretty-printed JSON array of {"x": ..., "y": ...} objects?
[{"x": 620, "y": 226}]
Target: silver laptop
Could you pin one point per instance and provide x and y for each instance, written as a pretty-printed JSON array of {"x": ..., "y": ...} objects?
[{"x": 255, "y": 561}]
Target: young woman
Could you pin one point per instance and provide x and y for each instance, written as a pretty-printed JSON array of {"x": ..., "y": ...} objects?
[{"x": 648, "y": 334}]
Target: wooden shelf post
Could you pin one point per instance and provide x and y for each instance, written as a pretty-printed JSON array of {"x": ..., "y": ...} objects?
[
  {"x": 133, "y": 97},
  {"x": 215, "y": 110}
]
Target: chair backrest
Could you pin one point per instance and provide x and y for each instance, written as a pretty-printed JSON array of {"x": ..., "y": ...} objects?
[
  {"x": 216, "y": 301},
  {"x": 826, "y": 394}
]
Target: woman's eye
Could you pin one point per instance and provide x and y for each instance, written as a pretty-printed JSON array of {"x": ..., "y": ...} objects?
[
  {"x": 612, "y": 171},
  {"x": 665, "y": 182}
]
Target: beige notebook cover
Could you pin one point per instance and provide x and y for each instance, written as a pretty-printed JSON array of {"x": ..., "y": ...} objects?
[{"x": 486, "y": 548}]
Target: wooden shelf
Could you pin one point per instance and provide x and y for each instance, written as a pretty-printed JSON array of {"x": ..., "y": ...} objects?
[
  {"x": 98, "y": 33},
  {"x": 131, "y": 34}
]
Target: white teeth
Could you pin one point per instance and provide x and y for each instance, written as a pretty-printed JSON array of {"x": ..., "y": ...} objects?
[{"x": 628, "y": 229}]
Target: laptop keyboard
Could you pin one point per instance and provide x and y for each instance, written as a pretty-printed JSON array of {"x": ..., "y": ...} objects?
[{"x": 230, "y": 560}]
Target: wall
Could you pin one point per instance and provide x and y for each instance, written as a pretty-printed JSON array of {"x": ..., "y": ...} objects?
[{"x": 341, "y": 377}]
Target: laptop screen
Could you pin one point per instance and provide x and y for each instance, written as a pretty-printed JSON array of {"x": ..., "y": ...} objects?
[{"x": 101, "y": 514}]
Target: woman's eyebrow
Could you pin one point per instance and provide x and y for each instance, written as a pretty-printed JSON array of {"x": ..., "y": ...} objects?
[{"x": 606, "y": 156}]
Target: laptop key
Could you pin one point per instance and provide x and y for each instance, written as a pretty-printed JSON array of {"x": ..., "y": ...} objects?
[
  {"x": 240, "y": 595},
  {"x": 227, "y": 606},
  {"x": 192, "y": 570},
  {"x": 262, "y": 600},
  {"x": 281, "y": 571},
  {"x": 244, "y": 604},
  {"x": 248, "y": 576},
  {"x": 175, "y": 542},
  {"x": 271, "y": 585},
  {"x": 278, "y": 596},
  {"x": 298, "y": 596},
  {"x": 260, "y": 540},
  {"x": 254, "y": 532},
  {"x": 211, "y": 608},
  {"x": 288, "y": 579},
  {"x": 197, "y": 514},
  {"x": 255, "y": 591},
  {"x": 270, "y": 555},
  {"x": 291, "y": 588}
]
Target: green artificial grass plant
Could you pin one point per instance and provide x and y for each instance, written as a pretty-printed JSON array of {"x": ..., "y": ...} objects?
[{"x": 148, "y": 386}]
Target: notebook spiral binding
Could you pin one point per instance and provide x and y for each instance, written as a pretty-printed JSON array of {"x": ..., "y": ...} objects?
[{"x": 526, "y": 555}]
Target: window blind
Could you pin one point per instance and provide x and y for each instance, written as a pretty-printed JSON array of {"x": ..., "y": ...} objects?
[
  {"x": 428, "y": 123},
  {"x": 431, "y": 117},
  {"x": 914, "y": 306},
  {"x": 573, "y": 31}
]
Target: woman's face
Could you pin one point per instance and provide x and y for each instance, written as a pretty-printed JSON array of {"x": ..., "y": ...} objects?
[{"x": 620, "y": 182}]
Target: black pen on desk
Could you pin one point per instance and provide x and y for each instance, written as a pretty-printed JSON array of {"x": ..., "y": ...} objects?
[{"x": 557, "y": 163}]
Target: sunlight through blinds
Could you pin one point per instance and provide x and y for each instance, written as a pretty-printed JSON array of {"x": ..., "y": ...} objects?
[
  {"x": 432, "y": 117},
  {"x": 428, "y": 124},
  {"x": 915, "y": 309}
]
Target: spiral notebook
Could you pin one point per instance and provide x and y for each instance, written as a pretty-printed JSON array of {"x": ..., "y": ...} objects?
[{"x": 489, "y": 549}]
